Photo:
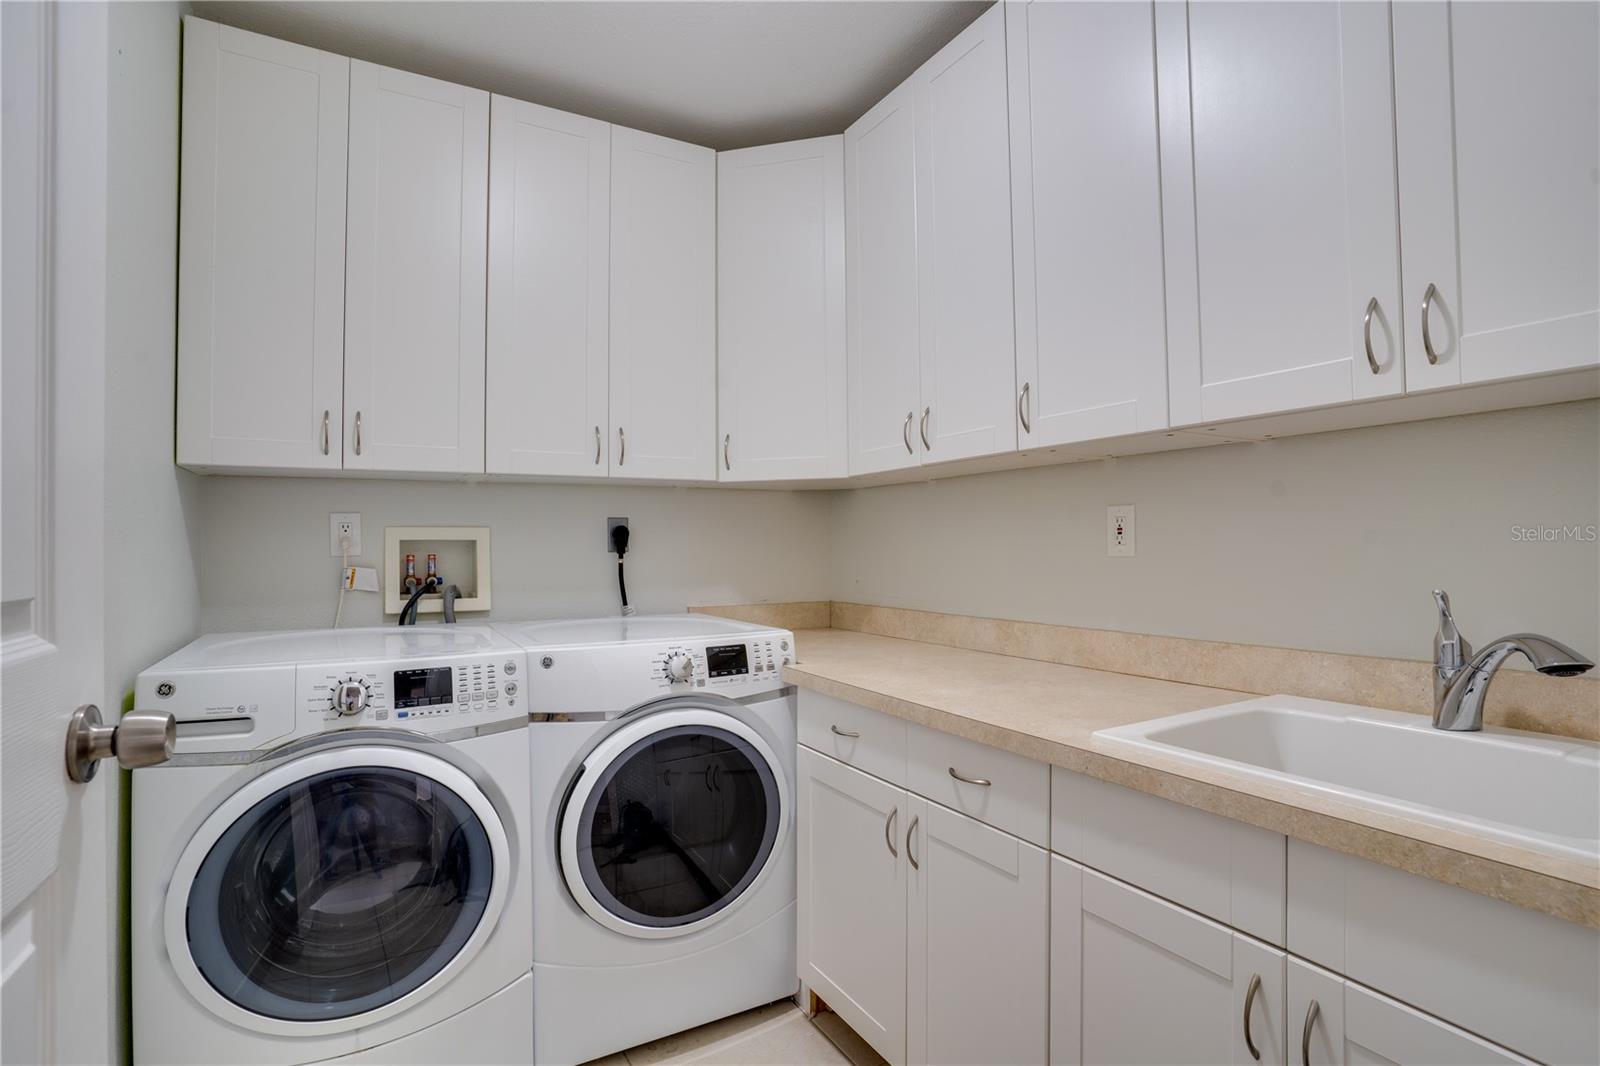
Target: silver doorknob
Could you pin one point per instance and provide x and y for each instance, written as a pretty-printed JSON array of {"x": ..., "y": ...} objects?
[{"x": 140, "y": 738}]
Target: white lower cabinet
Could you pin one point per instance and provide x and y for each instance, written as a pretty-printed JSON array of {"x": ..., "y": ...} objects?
[
  {"x": 979, "y": 968},
  {"x": 1135, "y": 979},
  {"x": 852, "y": 898},
  {"x": 1334, "y": 1021}
]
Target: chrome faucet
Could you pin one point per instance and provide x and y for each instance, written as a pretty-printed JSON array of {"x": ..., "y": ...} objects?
[{"x": 1461, "y": 679}]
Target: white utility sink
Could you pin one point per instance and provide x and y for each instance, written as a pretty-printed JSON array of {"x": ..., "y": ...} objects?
[{"x": 1526, "y": 789}]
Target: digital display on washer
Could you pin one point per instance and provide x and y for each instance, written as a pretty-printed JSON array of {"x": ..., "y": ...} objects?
[
  {"x": 421, "y": 688},
  {"x": 727, "y": 660}
]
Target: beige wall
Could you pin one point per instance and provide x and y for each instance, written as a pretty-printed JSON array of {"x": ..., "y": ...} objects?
[
  {"x": 1326, "y": 542},
  {"x": 264, "y": 561}
]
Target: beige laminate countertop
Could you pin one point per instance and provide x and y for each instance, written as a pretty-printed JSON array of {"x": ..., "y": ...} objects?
[{"x": 1050, "y": 712}]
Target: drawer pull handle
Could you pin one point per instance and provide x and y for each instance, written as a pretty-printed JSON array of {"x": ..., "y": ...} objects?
[
  {"x": 1249, "y": 1001},
  {"x": 984, "y": 781},
  {"x": 910, "y": 833},
  {"x": 1305, "y": 1034},
  {"x": 843, "y": 732},
  {"x": 888, "y": 831},
  {"x": 1427, "y": 337}
]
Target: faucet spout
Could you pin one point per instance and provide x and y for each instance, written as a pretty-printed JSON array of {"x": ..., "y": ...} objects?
[{"x": 1461, "y": 679}]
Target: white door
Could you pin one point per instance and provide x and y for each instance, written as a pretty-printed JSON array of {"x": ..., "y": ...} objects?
[
  {"x": 261, "y": 251},
  {"x": 852, "y": 897},
  {"x": 978, "y": 945},
  {"x": 549, "y": 266},
  {"x": 1498, "y": 108},
  {"x": 1135, "y": 979},
  {"x": 56, "y": 880},
  {"x": 1086, "y": 221},
  {"x": 780, "y": 311},
  {"x": 1281, "y": 206},
  {"x": 1335, "y": 1023},
  {"x": 880, "y": 170},
  {"x": 663, "y": 308},
  {"x": 414, "y": 273},
  {"x": 964, "y": 247}
]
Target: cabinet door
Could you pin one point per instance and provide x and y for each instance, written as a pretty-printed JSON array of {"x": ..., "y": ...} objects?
[
  {"x": 1086, "y": 221},
  {"x": 1335, "y": 1023},
  {"x": 852, "y": 898},
  {"x": 663, "y": 308},
  {"x": 780, "y": 311},
  {"x": 1498, "y": 108},
  {"x": 549, "y": 261},
  {"x": 963, "y": 195},
  {"x": 415, "y": 273},
  {"x": 1280, "y": 200},
  {"x": 880, "y": 170},
  {"x": 1135, "y": 979},
  {"x": 979, "y": 966},
  {"x": 261, "y": 251}
]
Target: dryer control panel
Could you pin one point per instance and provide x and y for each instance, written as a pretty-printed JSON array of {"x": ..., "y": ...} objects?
[{"x": 420, "y": 695}]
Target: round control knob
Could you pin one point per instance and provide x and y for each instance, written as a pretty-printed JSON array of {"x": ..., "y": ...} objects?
[
  {"x": 679, "y": 666},
  {"x": 349, "y": 698}
]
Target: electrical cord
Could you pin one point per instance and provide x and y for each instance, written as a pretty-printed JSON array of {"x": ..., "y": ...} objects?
[
  {"x": 344, "y": 577},
  {"x": 619, "y": 544}
]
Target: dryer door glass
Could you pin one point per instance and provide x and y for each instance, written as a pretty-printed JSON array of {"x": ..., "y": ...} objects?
[
  {"x": 677, "y": 826},
  {"x": 339, "y": 894}
]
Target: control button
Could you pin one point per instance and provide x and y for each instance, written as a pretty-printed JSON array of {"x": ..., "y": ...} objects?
[
  {"x": 493, "y": 694},
  {"x": 511, "y": 688},
  {"x": 511, "y": 666},
  {"x": 477, "y": 706},
  {"x": 783, "y": 644}
]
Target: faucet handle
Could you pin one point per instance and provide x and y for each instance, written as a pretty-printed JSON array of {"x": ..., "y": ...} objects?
[{"x": 1450, "y": 648}]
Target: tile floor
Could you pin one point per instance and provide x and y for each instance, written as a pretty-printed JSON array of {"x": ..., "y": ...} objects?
[{"x": 774, "y": 1035}]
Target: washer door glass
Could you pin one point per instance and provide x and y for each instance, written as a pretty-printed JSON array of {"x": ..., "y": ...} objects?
[
  {"x": 339, "y": 893},
  {"x": 677, "y": 826}
]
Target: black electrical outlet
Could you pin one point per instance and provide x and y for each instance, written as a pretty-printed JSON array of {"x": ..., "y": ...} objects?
[{"x": 613, "y": 523}]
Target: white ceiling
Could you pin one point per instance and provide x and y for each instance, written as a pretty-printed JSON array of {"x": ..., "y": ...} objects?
[{"x": 723, "y": 73}]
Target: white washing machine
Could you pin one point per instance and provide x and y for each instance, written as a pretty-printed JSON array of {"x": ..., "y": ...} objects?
[
  {"x": 334, "y": 864},
  {"x": 663, "y": 756}
]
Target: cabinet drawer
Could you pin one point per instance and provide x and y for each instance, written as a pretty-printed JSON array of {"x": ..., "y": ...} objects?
[
  {"x": 858, "y": 736},
  {"x": 1224, "y": 869},
  {"x": 1006, "y": 790},
  {"x": 1525, "y": 980}
]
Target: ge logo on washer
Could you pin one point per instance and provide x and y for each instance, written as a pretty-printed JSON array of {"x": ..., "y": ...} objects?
[{"x": 165, "y": 689}]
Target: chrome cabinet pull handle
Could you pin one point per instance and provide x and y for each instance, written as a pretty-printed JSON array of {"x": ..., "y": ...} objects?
[
  {"x": 926, "y": 411},
  {"x": 358, "y": 432},
  {"x": 1249, "y": 1001},
  {"x": 596, "y": 445},
  {"x": 622, "y": 446},
  {"x": 1366, "y": 333},
  {"x": 1022, "y": 407},
  {"x": 888, "y": 831},
  {"x": 843, "y": 732},
  {"x": 1427, "y": 338},
  {"x": 726, "y": 439},
  {"x": 911, "y": 831},
  {"x": 1305, "y": 1034},
  {"x": 325, "y": 417},
  {"x": 905, "y": 433},
  {"x": 984, "y": 781}
]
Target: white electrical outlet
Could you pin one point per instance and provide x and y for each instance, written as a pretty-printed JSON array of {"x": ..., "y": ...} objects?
[
  {"x": 342, "y": 524},
  {"x": 1119, "y": 530}
]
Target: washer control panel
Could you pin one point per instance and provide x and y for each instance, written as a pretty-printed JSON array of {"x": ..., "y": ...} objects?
[
  {"x": 722, "y": 664},
  {"x": 416, "y": 694}
]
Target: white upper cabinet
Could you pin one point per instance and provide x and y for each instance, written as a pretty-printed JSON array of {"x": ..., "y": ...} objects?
[
  {"x": 963, "y": 197},
  {"x": 1498, "y": 108},
  {"x": 1086, "y": 221},
  {"x": 663, "y": 308},
  {"x": 1280, "y": 206},
  {"x": 880, "y": 165},
  {"x": 415, "y": 273},
  {"x": 780, "y": 311},
  {"x": 261, "y": 251},
  {"x": 549, "y": 267}
]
